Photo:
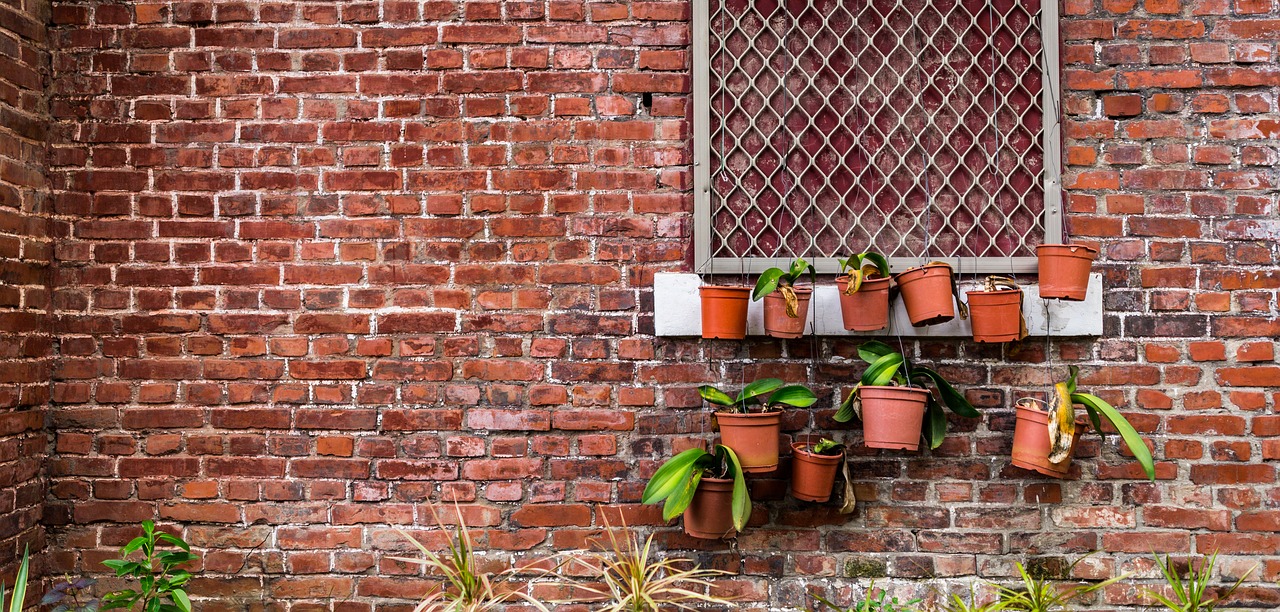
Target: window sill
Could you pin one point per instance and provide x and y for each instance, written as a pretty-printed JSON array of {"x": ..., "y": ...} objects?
[{"x": 678, "y": 312}]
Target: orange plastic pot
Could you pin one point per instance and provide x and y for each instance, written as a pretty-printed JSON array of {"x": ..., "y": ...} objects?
[
  {"x": 724, "y": 311},
  {"x": 710, "y": 513},
  {"x": 813, "y": 475},
  {"x": 1064, "y": 270},
  {"x": 753, "y": 437},
  {"x": 892, "y": 417},
  {"x": 926, "y": 291},
  {"x": 1031, "y": 442},
  {"x": 996, "y": 315},
  {"x": 868, "y": 308},
  {"x": 776, "y": 321}
]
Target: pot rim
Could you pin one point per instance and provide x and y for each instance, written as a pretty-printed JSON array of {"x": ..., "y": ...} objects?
[
  {"x": 896, "y": 387},
  {"x": 1067, "y": 245},
  {"x": 1034, "y": 409},
  {"x": 752, "y": 415},
  {"x": 935, "y": 264},
  {"x": 798, "y": 448},
  {"x": 726, "y": 287},
  {"x": 806, "y": 289}
]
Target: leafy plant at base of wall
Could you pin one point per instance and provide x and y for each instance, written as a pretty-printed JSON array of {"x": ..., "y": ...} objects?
[
  {"x": 159, "y": 589},
  {"x": 19, "y": 585},
  {"x": 885, "y": 367},
  {"x": 1039, "y": 594},
  {"x": 1191, "y": 594},
  {"x": 1062, "y": 423},
  {"x": 827, "y": 446},
  {"x": 467, "y": 588},
  {"x": 65, "y": 596},
  {"x": 777, "y": 279},
  {"x": 873, "y": 602},
  {"x": 677, "y": 480},
  {"x": 796, "y": 396},
  {"x": 863, "y": 266},
  {"x": 957, "y": 604},
  {"x": 626, "y": 577}
]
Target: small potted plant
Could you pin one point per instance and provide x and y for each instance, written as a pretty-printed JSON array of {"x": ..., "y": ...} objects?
[
  {"x": 751, "y": 423},
  {"x": 1043, "y": 440},
  {"x": 708, "y": 488},
  {"x": 895, "y": 413},
  {"x": 1064, "y": 270},
  {"x": 813, "y": 469},
  {"x": 995, "y": 311},
  {"x": 786, "y": 307},
  {"x": 724, "y": 311},
  {"x": 864, "y": 292},
  {"x": 929, "y": 293}
]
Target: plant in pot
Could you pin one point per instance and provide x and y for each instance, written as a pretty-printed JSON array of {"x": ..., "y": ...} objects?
[
  {"x": 864, "y": 291},
  {"x": 813, "y": 469},
  {"x": 708, "y": 488},
  {"x": 895, "y": 404},
  {"x": 1064, "y": 270},
  {"x": 724, "y": 311},
  {"x": 1044, "y": 440},
  {"x": 751, "y": 423},
  {"x": 996, "y": 311},
  {"x": 929, "y": 294},
  {"x": 786, "y": 307}
]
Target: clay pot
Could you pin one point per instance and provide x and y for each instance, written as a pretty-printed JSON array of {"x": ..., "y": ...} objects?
[
  {"x": 776, "y": 321},
  {"x": 868, "y": 308},
  {"x": 710, "y": 513},
  {"x": 892, "y": 417},
  {"x": 1031, "y": 442},
  {"x": 996, "y": 315},
  {"x": 753, "y": 437},
  {"x": 724, "y": 311},
  {"x": 1064, "y": 270},
  {"x": 813, "y": 475},
  {"x": 926, "y": 291}
]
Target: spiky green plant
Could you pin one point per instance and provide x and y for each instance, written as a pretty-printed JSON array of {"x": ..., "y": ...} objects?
[
  {"x": 1192, "y": 593},
  {"x": 1039, "y": 594},
  {"x": 19, "y": 585},
  {"x": 956, "y": 603}
]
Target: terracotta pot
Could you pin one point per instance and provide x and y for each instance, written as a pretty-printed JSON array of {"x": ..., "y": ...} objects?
[
  {"x": 724, "y": 311},
  {"x": 710, "y": 514},
  {"x": 868, "y": 308},
  {"x": 1064, "y": 270},
  {"x": 926, "y": 291},
  {"x": 753, "y": 437},
  {"x": 1031, "y": 442},
  {"x": 813, "y": 475},
  {"x": 776, "y": 321},
  {"x": 996, "y": 315},
  {"x": 892, "y": 417}
]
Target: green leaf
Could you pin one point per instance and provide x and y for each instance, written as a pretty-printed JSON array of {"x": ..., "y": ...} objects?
[
  {"x": 798, "y": 396},
  {"x": 844, "y": 263},
  {"x": 1131, "y": 438},
  {"x": 715, "y": 396},
  {"x": 176, "y": 541},
  {"x": 678, "y": 501},
  {"x": 766, "y": 284},
  {"x": 741, "y": 500},
  {"x": 757, "y": 388},
  {"x": 872, "y": 350},
  {"x": 882, "y": 264},
  {"x": 118, "y": 566},
  {"x": 180, "y": 598},
  {"x": 798, "y": 267},
  {"x": 952, "y": 398},
  {"x": 1071, "y": 380},
  {"x": 669, "y": 477},
  {"x": 882, "y": 371},
  {"x": 133, "y": 545},
  {"x": 846, "y": 411},
  {"x": 935, "y": 425},
  {"x": 19, "y": 583}
]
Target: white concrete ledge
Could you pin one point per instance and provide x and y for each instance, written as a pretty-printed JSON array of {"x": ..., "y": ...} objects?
[{"x": 678, "y": 312}]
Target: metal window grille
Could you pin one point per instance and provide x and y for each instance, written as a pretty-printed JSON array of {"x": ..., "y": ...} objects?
[{"x": 922, "y": 129}]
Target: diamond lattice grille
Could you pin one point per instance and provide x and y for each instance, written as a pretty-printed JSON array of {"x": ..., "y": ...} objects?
[{"x": 838, "y": 125}]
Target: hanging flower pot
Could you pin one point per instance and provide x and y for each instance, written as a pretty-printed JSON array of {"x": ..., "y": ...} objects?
[
  {"x": 866, "y": 309},
  {"x": 724, "y": 311},
  {"x": 709, "y": 515},
  {"x": 929, "y": 294},
  {"x": 753, "y": 436},
  {"x": 892, "y": 417},
  {"x": 779, "y": 321},
  {"x": 1064, "y": 270},
  {"x": 996, "y": 311},
  {"x": 1031, "y": 441},
  {"x": 813, "y": 469}
]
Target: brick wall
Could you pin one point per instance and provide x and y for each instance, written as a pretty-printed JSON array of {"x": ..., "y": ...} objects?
[
  {"x": 26, "y": 249},
  {"x": 329, "y": 262}
]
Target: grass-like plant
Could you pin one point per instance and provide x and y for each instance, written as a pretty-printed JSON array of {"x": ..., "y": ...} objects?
[
  {"x": 863, "y": 266},
  {"x": 624, "y": 575},
  {"x": 763, "y": 395},
  {"x": 467, "y": 587},
  {"x": 1039, "y": 594},
  {"x": 875, "y": 601},
  {"x": 677, "y": 480},
  {"x": 1062, "y": 423},
  {"x": 887, "y": 366},
  {"x": 19, "y": 585},
  {"x": 956, "y": 603},
  {"x": 1192, "y": 593},
  {"x": 777, "y": 279}
]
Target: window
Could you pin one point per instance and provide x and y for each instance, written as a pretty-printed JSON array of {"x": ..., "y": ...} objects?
[{"x": 830, "y": 126}]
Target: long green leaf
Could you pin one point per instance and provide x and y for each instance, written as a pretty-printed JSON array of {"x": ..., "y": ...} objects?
[
  {"x": 1131, "y": 438},
  {"x": 1071, "y": 380},
  {"x": 883, "y": 370},
  {"x": 798, "y": 396},
  {"x": 678, "y": 501},
  {"x": 952, "y": 398},
  {"x": 715, "y": 396},
  {"x": 798, "y": 267},
  {"x": 669, "y": 476},
  {"x": 758, "y": 388},
  {"x": 741, "y": 499},
  {"x": 872, "y": 350},
  {"x": 19, "y": 584},
  {"x": 767, "y": 283},
  {"x": 846, "y": 411},
  {"x": 935, "y": 426},
  {"x": 882, "y": 264},
  {"x": 180, "y": 598}
]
